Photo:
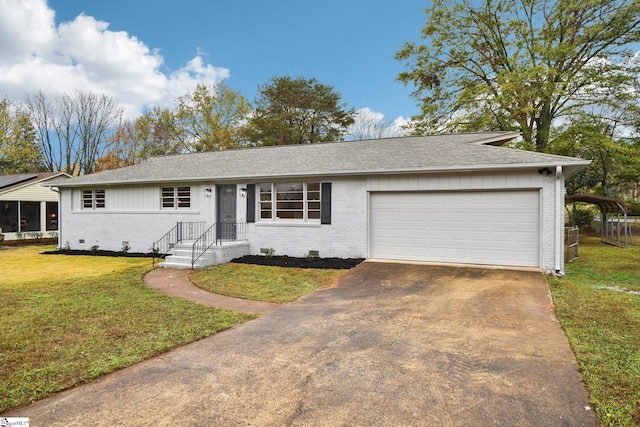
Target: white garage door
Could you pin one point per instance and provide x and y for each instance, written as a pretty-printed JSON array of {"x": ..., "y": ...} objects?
[{"x": 496, "y": 227}]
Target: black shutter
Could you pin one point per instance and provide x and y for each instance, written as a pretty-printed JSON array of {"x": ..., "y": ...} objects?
[
  {"x": 251, "y": 203},
  {"x": 325, "y": 205}
]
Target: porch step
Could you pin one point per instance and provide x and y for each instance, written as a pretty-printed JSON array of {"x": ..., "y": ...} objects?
[{"x": 180, "y": 255}]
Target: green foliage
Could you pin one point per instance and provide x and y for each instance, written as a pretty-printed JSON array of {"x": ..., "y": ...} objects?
[
  {"x": 634, "y": 207},
  {"x": 157, "y": 133},
  {"x": 207, "y": 119},
  {"x": 268, "y": 251},
  {"x": 589, "y": 138},
  {"x": 211, "y": 117},
  {"x": 297, "y": 111},
  {"x": 520, "y": 64},
  {"x": 581, "y": 216},
  {"x": 19, "y": 152}
]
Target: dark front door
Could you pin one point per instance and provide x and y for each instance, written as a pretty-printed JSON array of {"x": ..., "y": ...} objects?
[{"x": 226, "y": 220}]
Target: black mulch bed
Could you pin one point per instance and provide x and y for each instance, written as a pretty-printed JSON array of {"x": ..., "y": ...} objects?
[
  {"x": 277, "y": 261},
  {"x": 311, "y": 262},
  {"x": 100, "y": 252}
]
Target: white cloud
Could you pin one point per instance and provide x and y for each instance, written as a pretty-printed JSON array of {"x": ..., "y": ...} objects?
[
  {"x": 83, "y": 54},
  {"x": 372, "y": 124}
]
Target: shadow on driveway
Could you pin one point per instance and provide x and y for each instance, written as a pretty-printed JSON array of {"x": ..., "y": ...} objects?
[{"x": 391, "y": 344}]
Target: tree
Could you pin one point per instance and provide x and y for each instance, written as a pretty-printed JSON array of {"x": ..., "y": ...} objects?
[
  {"x": 18, "y": 151},
  {"x": 592, "y": 138},
  {"x": 371, "y": 125},
  {"x": 158, "y": 133},
  {"x": 211, "y": 116},
  {"x": 520, "y": 64},
  {"x": 297, "y": 111},
  {"x": 73, "y": 130}
]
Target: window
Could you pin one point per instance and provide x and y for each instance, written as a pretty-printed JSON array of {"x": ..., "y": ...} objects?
[
  {"x": 290, "y": 201},
  {"x": 9, "y": 218},
  {"x": 93, "y": 199},
  {"x": 52, "y": 216},
  {"x": 29, "y": 216},
  {"x": 175, "y": 197}
]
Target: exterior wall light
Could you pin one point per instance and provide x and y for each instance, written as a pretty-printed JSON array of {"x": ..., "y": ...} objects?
[
  {"x": 545, "y": 171},
  {"x": 208, "y": 192},
  {"x": 243, "y": 192}
]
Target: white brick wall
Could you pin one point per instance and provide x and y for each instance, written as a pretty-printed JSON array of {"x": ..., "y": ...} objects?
[
  {"x": 140, "y": 225},
  {"x": 347, "y": 236}
]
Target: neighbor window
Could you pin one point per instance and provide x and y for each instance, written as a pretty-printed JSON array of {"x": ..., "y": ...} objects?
[
  {"x": 176, "y": 197},
  {"x": 290, "y": 200},
  {"x": 93, "y": 199},
  {"x": 29, "y": 216},
  {"x": 52, "y": 216}
]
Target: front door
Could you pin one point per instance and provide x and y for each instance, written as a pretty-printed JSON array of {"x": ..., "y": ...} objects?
[{"x": 226, "y": 229}]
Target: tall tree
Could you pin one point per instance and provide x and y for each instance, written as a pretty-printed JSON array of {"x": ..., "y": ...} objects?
[
  {"x": 42, "y": 112},
  {"x": 18, "y": 151},
  {"x": 297, "y": 111},
  {"x": 73, "y": 129},
  {"x": 211, "y": 116},
  {"x": 520, "y": 64},
  {"x": 158, "y": 133}
]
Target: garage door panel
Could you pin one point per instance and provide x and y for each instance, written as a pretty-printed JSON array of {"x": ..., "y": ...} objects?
[{"x": 496, "y": 227}]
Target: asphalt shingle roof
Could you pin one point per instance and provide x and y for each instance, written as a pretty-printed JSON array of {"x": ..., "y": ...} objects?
[{"x": 376, "y": 156}]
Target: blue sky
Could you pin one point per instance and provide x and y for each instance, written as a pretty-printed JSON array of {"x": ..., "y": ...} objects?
[{"x": 147, "y": 52}]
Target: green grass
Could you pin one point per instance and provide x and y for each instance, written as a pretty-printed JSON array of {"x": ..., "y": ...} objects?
[
  {"x": 263, "y": 283},
  {"x": 69, "y": 319},
  {"x": 598, "y": 305}
]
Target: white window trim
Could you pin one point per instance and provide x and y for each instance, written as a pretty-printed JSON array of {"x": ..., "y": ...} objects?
[
  {"x": 305, "y": 204},
  {"x": 95, "y": 205},
  {"x": 176, "y": 198}
]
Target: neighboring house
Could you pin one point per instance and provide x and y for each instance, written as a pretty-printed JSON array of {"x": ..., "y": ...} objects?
[
  {"x": 448, "y": 198},
  {"x": 27, "y": 208}
]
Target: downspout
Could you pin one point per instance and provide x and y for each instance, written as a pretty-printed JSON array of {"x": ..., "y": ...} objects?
[{"x": 559, "y": 238}]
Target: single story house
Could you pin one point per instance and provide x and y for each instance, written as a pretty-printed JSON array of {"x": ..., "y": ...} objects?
[
  {"x": 457, "y": 198},
  {"x": 27, "y": 208}
]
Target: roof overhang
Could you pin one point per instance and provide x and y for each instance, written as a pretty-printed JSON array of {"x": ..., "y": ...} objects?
[{"x": 568, "y": 169}]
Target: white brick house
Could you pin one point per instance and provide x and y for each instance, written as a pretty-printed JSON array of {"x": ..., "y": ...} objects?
[{"x": 449, "y": 198}]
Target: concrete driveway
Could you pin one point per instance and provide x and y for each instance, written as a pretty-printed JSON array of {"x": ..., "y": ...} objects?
[{"x": 390, "y": 345}]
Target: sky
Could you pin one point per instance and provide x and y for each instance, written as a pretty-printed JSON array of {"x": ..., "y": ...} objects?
[{"x": 145, "y": 53}]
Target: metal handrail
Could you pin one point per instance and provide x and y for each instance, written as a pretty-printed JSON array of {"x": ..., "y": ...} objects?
[
  {"x": 216, "y": 234},
  {"x": 181, "y": 231}
]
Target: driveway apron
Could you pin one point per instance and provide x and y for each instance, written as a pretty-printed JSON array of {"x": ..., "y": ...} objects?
[{"x": 390, "y": 345}]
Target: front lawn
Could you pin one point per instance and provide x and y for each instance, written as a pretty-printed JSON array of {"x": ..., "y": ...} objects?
[
  {"x": 69, "y": 319},
  {"x": 598, "y": 305},
  {"x": 263, "y": 283}
]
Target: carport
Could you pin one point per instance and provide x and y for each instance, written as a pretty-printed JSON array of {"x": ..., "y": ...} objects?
[{"x": 613, "y": 214}]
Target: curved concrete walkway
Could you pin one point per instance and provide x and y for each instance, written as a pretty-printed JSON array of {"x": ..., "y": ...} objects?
[{"x": 176, "y": 282}]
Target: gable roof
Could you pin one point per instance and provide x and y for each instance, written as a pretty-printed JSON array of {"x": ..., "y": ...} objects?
[
  {"x": 437, "y": 153},
  {"x": 13, "y": 182}
]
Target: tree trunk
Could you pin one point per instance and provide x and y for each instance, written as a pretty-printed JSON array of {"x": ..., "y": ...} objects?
[{"x": 543, "y": 128}]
